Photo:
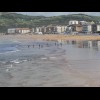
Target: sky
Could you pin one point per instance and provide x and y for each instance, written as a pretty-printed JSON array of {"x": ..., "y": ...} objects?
[{"x": 57, "y": 13}]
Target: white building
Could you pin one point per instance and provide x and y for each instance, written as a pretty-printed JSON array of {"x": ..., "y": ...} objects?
[
  {"x": 73, "y": 22},
  {"x": 11, "y": 30},
  {"x": 83, "y": 22},
  {"x": 23, "y": 30},
  {"x": 98, "y": 27},
  {"x": 18, "y": 30},
  {"x": 61, "y": 29},
  {"x": 37, "y": 29},
  {"x": 33, "y": 30},
  {"x": 64, "y": 28}
]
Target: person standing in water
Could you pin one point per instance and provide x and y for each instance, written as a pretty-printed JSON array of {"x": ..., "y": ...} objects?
[
  {"x": 28, "y": 46},
  {"x": 47, "y": 44},
  {"x": 39, "y": 46},
  {"x": 33, "y": 45},
  {"x": 55, "y": 43},
  {"x": 61, "y": 44}
]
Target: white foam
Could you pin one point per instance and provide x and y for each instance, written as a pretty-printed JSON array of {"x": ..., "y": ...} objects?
[
  {"x": 11, "y": 66},
  {"x": 16, "y": 41},
  {"x": 7, "y": 70},
  {"x": 43, "y": 58},
  {"x": 24, "y": 60},
  {"x": 52, "y": 57},
  {"x": 15, "y": 61}
]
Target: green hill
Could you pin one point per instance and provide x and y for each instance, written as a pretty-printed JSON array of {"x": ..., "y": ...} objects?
[{"x": 12, "y": 20}]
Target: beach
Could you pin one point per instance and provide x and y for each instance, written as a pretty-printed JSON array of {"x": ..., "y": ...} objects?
[
  {"x": 49, "y": 37},
  {"x": 74, "y": 63}
]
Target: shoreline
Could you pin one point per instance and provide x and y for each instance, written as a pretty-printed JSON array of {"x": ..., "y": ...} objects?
[
  {"x": 53, "y": 68},
  {"x": 49, "y": 37}
]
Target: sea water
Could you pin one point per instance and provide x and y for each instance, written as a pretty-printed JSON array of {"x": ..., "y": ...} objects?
[{"x": 75, "y": 63}]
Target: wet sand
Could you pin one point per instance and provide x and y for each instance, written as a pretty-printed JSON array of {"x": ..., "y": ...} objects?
[
  {"x": 51, "y": 66},
  {"x": 51, "y": 70}
]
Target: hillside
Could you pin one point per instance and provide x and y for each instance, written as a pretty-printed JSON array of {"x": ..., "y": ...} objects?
[{"x": 10, "y": 20}]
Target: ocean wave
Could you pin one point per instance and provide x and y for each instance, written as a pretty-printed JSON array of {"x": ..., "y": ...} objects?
[
  {"x": 17, "y": 61},
  {"x": 9, "y": 52},
  {"x": 16, "y": 41}
]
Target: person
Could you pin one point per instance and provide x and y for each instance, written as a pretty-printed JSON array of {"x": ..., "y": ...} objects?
[
  {"x": 47, "y": 44},
  {"x": 55, "y": 43},
  {"x": 33, "y": 45},
  {"x": 28, "y": 46},
  {"x": 39, "y": 45},
  {"x": 61, "y": 44}
]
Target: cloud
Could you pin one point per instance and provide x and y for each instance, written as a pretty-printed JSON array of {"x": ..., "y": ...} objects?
[{"x": 57, "y": 13}]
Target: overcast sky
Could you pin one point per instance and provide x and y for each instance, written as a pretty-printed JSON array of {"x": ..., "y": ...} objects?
[{"x": 57, "y": 13}]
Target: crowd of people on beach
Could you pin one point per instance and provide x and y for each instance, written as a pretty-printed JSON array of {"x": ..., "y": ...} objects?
[{"x": 41, "y": 45}]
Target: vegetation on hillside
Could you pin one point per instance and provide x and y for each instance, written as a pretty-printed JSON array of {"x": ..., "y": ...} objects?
[{"x": 14, "y": 20}]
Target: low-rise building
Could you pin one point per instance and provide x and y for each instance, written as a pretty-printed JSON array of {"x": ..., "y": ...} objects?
[
  {"x": 73, "y": 22},
  {"x": 79, "y": 28},
  {"x": 94, "y": 28},
  {"x": 23, "y": 30},
  {"x": 33, "y": 30},
  {"x": 98, "y": 27},
  {"x": 11, "y": 31},
  {"x": 18, "y": 30},
  {"x": 87, "y": 28},
  {"x": 61, "y": 29},
  {"x": 75, "y": 28},
  {"x": 83, "y": 22}
]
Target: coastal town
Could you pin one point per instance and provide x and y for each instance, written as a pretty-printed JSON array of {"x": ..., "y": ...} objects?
[
  {"x": 49, "y": 51},
  {"x": 74, "y": 27}
]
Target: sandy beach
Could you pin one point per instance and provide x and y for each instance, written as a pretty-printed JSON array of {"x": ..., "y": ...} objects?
[{"x": 48, "y": 37}]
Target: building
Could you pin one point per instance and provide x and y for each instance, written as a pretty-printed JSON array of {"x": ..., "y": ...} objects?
[
  {"x": 98, "y": 27},
  {"x": 50, "y": 29},
  {"x": 18, "y": 30},
  {"x": 79, "y": 28},
  {"x": 11, "y": 31},
  {"x": 75, "y": 28},
  {"x": 83, "y": 22},
  {"x": 37, "y": 29},
  {"x": 87, "y": 28},
  {"x": 23, "y": 30},
  {"x": 61, "y": 29},
  {"x": 69, "y": 29},
  {"x": 33, "y": 30},
  {"x": 64, "y": 29},
  {"x": 94, "y": 28},
  {"x": 73, "y": 22}
]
